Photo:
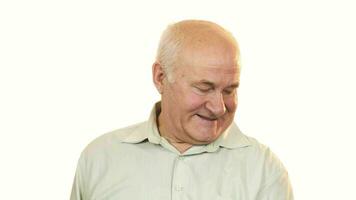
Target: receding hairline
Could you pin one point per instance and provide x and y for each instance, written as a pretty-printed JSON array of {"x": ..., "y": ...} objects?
[
  {"x": 192, "y": 34},
  {"x": 201, "y": 32}
]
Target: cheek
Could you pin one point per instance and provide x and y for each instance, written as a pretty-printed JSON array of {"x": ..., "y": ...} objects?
[
  {"x": 184, "y": 100},
  {"x": 194, "y": 101},
  {"x": 231, "y": 103}
]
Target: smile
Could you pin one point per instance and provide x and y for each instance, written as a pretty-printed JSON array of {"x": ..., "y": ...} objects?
[{"x": 207, "y": 118}]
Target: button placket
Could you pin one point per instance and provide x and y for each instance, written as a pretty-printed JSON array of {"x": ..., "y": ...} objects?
[{"x": 178, "y": 179}]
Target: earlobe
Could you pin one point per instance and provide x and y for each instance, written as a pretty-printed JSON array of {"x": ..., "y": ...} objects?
[{"x": 158, "y": 76}]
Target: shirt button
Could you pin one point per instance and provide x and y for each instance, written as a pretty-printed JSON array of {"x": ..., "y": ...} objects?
[{"x": 179, "y": 188}]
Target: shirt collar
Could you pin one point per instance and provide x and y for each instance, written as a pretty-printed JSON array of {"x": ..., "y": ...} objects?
[
  {"x": 231, "y": 138},
  {"x": 147, "y": 130}
]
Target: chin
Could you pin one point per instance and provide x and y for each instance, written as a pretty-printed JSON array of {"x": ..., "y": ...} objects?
[{"x": 206, "y": 137}]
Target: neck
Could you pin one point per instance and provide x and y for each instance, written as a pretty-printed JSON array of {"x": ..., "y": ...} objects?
[
  {"x": 181, "y": 147},
  {"x": 174, "y": 141}
]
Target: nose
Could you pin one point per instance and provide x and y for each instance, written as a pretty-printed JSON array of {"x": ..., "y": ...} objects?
[{"x": 216, "y": 104}]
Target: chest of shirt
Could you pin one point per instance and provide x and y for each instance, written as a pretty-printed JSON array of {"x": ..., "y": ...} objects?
[{"x": 147, "y": 171}]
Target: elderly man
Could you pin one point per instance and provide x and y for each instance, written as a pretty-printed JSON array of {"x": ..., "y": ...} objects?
[{"x": 189, "y": 148}]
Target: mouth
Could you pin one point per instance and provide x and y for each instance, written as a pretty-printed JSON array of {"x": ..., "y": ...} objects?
[{"x": 207, "y": 118}]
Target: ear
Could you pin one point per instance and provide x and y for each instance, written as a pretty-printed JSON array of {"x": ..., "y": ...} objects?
[{"x": 158, "y": 76}]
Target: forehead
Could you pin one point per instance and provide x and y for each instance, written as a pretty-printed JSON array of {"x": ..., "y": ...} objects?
[
  {"x": 215, "y": 52},
  {"x": 218, "y": 56},
  {"x": 213, "y": 63},
  {"x": 214, "y": 74}
]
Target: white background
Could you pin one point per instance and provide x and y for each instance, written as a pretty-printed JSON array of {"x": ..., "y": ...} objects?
[{"x": 73, "y": 70}]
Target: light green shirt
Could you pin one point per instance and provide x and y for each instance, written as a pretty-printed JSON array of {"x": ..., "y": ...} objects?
[{"x": 135, "y": 163}]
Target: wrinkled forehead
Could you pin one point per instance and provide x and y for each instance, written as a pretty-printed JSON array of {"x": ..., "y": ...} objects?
[
  {"x": 216, "y": 77},
  {"x": 210, "y": 55},
  {"x": 214, "y": 65},
  {"x": 230, "y": 71}
]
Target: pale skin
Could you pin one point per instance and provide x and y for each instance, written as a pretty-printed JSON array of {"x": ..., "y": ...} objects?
[{"x": 200, "y": 104}]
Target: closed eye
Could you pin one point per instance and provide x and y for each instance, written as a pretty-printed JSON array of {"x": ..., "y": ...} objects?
[
  {"x": 231, "y": 89},
  {"x": 204, "y": 90},
  {"x": 228, "y": 92}
]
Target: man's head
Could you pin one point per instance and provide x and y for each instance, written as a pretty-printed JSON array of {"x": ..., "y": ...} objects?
[{"x": 197, "y": 73}]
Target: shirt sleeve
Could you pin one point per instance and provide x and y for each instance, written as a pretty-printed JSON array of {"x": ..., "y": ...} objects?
[
  {"x": 278, "y": 188},
  {"x": 276, "y": 184},
  {"x": 77, "y": 188}
]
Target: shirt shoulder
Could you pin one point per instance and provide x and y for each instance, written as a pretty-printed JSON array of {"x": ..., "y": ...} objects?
[
  {"x": 263, "y": 154},
  {"x": 112, "y": 139},
  {"x": 267, "y": 171},
  {"x": 263, "y": 163}
]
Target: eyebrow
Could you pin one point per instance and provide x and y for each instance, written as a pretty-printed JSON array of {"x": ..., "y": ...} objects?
[
  {"x": 211, "y": 84},
  {"x": 205, "y": 82},
  {"x": 235, "y": 85}
]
